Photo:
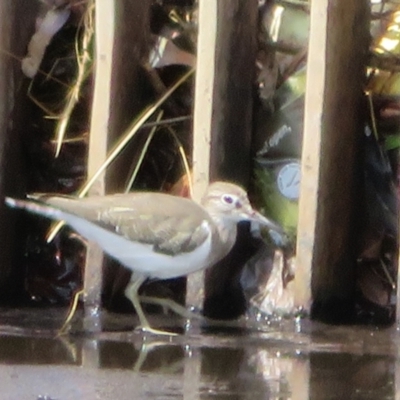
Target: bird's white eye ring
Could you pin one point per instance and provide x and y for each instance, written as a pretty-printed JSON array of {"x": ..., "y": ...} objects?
[{"x": 227, "y": 199}]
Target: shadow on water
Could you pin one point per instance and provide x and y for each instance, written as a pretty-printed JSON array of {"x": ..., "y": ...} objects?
[{"x": 292, "y": 361}]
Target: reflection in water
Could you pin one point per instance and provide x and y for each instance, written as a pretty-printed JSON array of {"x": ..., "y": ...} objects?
[
  {"x": 352, "y": 376},
  {"x": 116, "y": 366},
  {"x": 280, "y": 371}
]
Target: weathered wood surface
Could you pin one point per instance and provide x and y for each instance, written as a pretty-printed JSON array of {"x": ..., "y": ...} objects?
[
  {"x": 97, "y": 151},
  {"x": 223, "y": 104},
  {"x": 17, "y": 23},
  {"x": 130, "y": 51},
  {"x": 120, "y": 45},
  {"x": 330, "y": 159}
]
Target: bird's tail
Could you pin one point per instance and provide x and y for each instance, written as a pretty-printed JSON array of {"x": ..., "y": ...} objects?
[{"x": 35, "y": 207}]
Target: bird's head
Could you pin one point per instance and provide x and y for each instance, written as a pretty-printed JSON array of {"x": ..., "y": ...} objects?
[{"x": 230, "y": 202}]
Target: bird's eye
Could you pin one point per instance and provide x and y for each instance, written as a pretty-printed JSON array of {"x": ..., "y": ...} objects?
[{"x": 227, "y": 199}]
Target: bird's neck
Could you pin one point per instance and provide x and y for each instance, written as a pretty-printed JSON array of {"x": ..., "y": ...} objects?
[{"x": 226, "y": 233}]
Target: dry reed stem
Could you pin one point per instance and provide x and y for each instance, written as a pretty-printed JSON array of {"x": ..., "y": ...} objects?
[{"x": 84, "y": 60}]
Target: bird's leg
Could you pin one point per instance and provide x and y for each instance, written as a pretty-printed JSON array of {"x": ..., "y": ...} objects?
[
  {"x": 145, "y": 349},
  {"x": 131, "y": 293}
]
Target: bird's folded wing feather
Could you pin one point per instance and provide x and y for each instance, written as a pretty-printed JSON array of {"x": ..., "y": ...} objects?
[
  {"x": 171, "y": 224},
  {"x": 167, "y": 233}
]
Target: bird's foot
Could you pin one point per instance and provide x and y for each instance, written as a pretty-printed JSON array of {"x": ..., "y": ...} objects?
[{"x": 173, "y": 306}]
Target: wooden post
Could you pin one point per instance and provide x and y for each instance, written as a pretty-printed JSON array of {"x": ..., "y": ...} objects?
[
  {"x": 223, "y": 101},
  {"x": 97, "y": 153},
  {"x": 231, "y": 129},
  {"x": 113, "y": 108},
  {"x": 330, "y": 160},
  {"x": 203, "y": 111},
  {"x": 7, "y": 94},
  {"x": 17, "y": 23},
  {"x": 224, "y": 88}
]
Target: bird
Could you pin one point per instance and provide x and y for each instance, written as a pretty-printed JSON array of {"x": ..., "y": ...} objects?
[{"x": 155, "y": 235}]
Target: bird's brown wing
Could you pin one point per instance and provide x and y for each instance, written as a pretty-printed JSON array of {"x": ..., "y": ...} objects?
[
  {"x": 169, "y": 234},
  {"x": 172, "y": 225}
]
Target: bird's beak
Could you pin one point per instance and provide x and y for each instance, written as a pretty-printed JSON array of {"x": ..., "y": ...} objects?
[{"x": 255, "y": 216}]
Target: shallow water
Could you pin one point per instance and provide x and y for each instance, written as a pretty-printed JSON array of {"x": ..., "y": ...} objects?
[{"x": 288, "y": 360}]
